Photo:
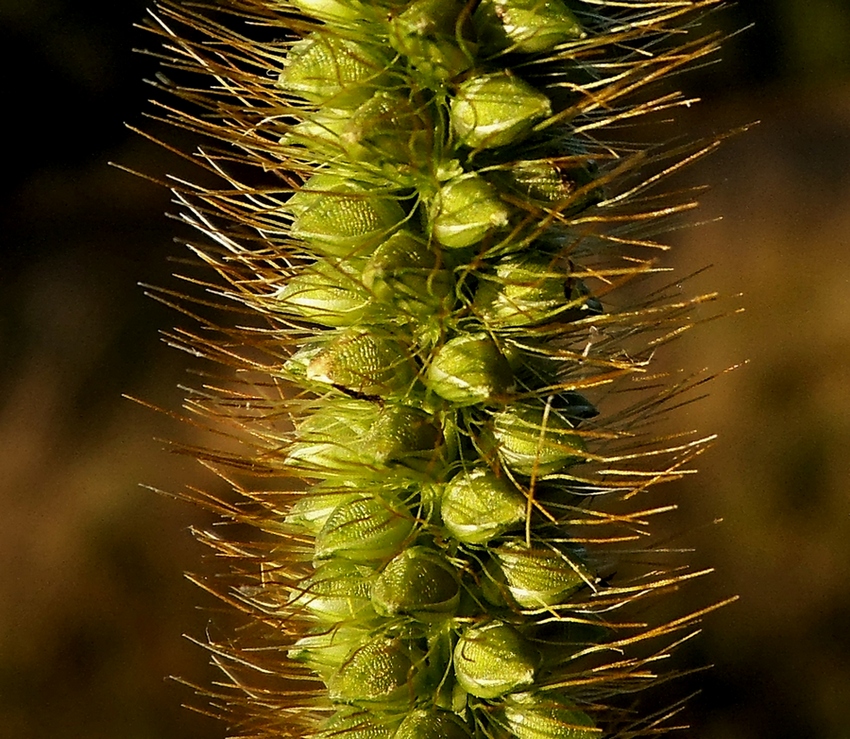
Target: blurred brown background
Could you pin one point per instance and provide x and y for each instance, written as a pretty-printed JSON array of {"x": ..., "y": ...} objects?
[{"x": 92, "y": 602}]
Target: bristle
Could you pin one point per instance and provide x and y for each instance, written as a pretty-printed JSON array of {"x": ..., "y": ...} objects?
[{"x": 425, "y": 275}]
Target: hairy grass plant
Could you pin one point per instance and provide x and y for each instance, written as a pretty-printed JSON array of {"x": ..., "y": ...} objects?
[{"x": 432, "y": 272}]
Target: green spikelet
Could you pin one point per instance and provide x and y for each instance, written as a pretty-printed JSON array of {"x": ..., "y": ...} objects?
[{"x": 428, "y": 210}]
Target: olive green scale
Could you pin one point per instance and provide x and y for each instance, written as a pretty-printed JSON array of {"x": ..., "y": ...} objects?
[{"x": 423, "y": 249}]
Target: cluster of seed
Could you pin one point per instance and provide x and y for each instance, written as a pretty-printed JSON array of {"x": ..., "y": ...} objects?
[
  {"x": 432, "y": 255},
  {"x": 454, "y": 551}
]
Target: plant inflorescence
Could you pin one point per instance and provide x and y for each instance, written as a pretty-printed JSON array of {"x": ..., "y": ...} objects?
[{"x": 431, "y": 257}]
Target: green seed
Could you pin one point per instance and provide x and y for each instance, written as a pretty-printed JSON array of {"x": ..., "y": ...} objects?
[
  {"x": 530, "y": 443},
  {"x": 356, "y": 437},
  {"x": 325, "y": 652},
  {"x": 494, "y": 659},
  {"x": 365, "y": 529},
  {"x": 331, "y": 439},
  {"x": 323, "y": 293},
  {"x": 478, "y": 505},
  {"x": 404, "y": 272},
  {"x": 544, "y": 183},
  {"x": 336, "y": 591},
  {"x": 355, "y": 723},
  {"x": 470, "y": 369},
  {"x": 526, "y": 290},
  {"x": 466, "y": 210},
  {"x": 390, "y": 128},
  {"x": 407, "y": 437},
  {"x": 530, "y": 26},
  {"x": 333, "y": 71},
  {"x": 538, "y": 577},
  {"x": 340, "y": 218},
  {"x": 417, "y": 580},
  {"x": 425, "y": 33},
  {"x": 544, "y": 716},
  {"x": 365, "y": 363},
  {"x": 381, "y": 671},
  {"x": 313, "y": 508},
  {"x": 320, "y": 133},
  {"x": 496, "y": 109},
  {"x": 432, "y": 725}
]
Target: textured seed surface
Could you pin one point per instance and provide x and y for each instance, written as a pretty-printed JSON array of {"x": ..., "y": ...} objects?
[
  {"x": 496, "y": 110},
  {"x": 337, "y": 591},
  {"x": 468, "y": 209},
  {"x": 468, "y": 370},
  {"x": 538, "y": 577},
  {"x": 334, "y": 71},
  {"x": 432, "y": 725},
  {"x": 494, "y": 659},
  {"x": 377, "y": 671},
  {"x": 418, "y": 579},
  {"x": 532, "y": 442},
  {"x": 324, "y": 294},
  {"x": 478, "y": 505},
  {"x": 356, "y": 723},
  {"x": 527, "y": 25},
  {"x": 525, "y": 290},
  {"x": 363, "y": 362},
  {"x": 547, "y": 717},
  {"x": 365, "y": 528}
]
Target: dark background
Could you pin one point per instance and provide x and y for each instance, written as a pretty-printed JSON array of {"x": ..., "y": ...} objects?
[{"x": 92, "y": 602}]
